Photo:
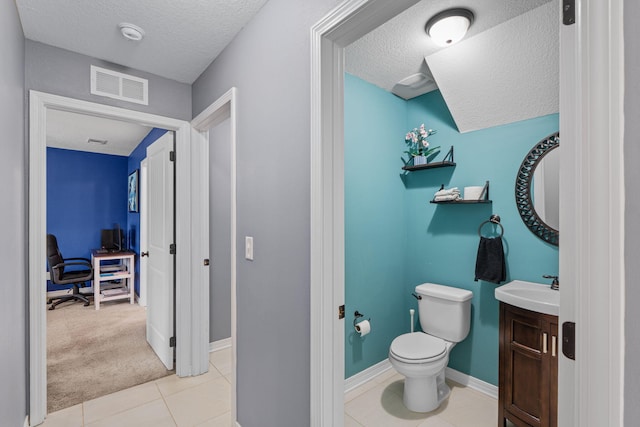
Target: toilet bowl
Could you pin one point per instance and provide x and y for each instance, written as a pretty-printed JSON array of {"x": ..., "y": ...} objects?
[{"x": 423, "y": 356}]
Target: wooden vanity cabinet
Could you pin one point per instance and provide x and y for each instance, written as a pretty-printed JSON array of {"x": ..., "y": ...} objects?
[{"x": 528, "y": 375}]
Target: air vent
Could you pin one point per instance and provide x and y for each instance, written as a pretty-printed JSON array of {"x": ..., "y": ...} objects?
[
  {"x": 414, "y": 85},
  {"x": 97, "y": 141},
  {"x": 119, "y": 86}
]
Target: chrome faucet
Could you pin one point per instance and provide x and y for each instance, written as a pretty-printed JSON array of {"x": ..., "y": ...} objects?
[{"x": 555, "y": 284}]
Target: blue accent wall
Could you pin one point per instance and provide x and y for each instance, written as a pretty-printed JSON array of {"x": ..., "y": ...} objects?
[
  {"x": 86, "y": 192},
  {"x": 423, "y": 242}
]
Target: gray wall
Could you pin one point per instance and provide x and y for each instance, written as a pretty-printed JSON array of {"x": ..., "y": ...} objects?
[
  {"x": 632, "y": 211},
  {"x": 61, "y": 72},
  {"x": 269, "y": 63},
  {"x": 220, "y": 232},
  {"x": 13, "y": 291}
]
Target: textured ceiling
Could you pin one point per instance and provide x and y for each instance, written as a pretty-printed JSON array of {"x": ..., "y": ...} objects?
[
  {"x": 71, "y": 131},
  {"x": 396, "y": 49},
  {"x": 182, "y": 36},
  {"x": 503, "y": 75}
]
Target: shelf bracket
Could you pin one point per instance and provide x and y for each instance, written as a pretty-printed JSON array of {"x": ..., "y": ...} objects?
[
  {"x": 485, "y": 191},
  {"x": 449, "y": 156}
]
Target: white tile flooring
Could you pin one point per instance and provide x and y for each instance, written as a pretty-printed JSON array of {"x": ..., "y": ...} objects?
[{"x": 204, "y": 401}]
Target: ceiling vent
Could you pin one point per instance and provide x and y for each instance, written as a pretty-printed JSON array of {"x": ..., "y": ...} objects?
[
  {"x": 119, "y": 86},
  {"x": 414, "y": 85}
]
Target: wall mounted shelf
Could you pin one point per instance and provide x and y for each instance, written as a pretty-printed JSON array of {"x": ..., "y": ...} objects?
[
  {"x": 446, "y": 162},
  {"x": 461, "y": 202},
  {"x": 484, "y": 198}
]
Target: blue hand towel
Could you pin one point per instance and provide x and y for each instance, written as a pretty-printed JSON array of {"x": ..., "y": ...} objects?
[{"x": 490, "y": 265}]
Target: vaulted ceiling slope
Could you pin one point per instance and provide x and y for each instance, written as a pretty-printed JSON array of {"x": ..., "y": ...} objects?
[
  {"x": 503, "y": 75},
  {"x": 505, "y": 70},
  {"x": 182, "y": 37}
]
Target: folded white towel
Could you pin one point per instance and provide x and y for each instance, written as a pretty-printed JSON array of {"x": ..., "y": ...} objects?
[
  {"x": 448, "y": 192},
  {"x": 447, "y": 198}
]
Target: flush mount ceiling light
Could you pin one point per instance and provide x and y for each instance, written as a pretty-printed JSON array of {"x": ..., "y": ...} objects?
[
  {"x": 97, "y": 141},
  {"x": 131, "y": 32},
  {"x": 449, "y": 27}
]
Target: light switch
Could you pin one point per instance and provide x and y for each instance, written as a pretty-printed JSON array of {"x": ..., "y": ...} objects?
[{"x": 248, "y": 248}]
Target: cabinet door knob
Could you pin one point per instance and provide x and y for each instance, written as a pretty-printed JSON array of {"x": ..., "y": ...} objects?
[
  {"x": 553, "y": 345},
  {"x": 544, "y": 342},
  {"x": 143, "y": 254}
]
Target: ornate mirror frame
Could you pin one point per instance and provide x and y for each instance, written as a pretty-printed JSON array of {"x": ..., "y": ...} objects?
[{"x": 524, "y": 202}]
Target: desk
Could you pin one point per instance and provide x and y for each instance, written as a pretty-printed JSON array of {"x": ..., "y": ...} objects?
[{"x": 124, "y": 271}]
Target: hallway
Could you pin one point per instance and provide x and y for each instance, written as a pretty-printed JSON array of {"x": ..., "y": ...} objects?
[{"x": 167, "y": 402}]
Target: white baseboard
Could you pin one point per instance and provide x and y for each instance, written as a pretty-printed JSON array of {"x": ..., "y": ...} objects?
[
  {"x": 220, "y": 344},
  {"x": 366, "y": 375},
  {"x": 472, "y": 382},
  {"x": 456, "y": 376}
]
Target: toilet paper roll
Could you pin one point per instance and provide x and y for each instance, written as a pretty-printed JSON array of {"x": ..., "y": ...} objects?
[
  {"x": 473, "y": 193},
  {"x": 363, "y": 328}
]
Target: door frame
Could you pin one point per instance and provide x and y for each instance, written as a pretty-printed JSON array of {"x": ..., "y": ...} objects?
[
  {"x": 592, "y": 257},
  {"x": 224, "y": 108},
  {"x": 189, "y": 309},
  {"x": 592, "y": 218},
  {"x": 144, "y": 224}
]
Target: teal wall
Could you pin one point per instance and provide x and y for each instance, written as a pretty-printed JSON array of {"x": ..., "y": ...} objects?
[
  {"x": 375, "y": 221},
  {"x": 424, "y": 242}
]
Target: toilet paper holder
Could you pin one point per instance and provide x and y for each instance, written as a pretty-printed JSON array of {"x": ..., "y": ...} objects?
[{"x": 358, "y": 315}]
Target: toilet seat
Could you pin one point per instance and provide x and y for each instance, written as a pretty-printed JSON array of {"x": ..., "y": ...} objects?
[{"x": 418, "y": 347}]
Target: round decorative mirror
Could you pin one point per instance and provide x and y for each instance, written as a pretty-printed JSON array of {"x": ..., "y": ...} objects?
[{"x": 537, "y": 189}]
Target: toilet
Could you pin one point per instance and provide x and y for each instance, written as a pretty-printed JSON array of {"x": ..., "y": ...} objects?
[{"x": 445, "y": 318}]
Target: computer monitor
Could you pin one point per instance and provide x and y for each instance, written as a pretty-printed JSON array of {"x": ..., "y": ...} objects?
[{"x": 112, "y": 239}]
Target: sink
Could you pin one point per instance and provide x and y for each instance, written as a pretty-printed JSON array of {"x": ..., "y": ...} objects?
[{"x": 530, "y": 296}]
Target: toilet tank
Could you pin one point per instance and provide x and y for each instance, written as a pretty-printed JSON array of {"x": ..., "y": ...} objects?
[{"x": 444, "y": 311}]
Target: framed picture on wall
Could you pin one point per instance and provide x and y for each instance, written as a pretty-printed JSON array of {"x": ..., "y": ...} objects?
[{"x": 133, "y": 191}]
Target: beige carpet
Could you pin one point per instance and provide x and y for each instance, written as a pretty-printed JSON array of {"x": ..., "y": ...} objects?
[{"x": 93, "y": 353}]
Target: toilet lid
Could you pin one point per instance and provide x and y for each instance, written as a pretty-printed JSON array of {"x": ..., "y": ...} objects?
[{"x": 417, "y": 347}]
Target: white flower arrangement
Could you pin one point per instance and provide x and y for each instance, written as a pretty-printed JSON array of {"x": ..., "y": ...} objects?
[{"x": 418, "y": 145}]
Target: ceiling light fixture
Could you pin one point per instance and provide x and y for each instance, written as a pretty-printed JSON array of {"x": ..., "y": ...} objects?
[
  {"x": 97, "y": 141},
  {"x": 449, "y": 27},
  {"x": 131, "y": 32}
]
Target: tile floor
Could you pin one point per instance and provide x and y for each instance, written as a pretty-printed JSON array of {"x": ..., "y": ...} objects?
[
  {"x": 379, "y": 403},
  {"x": 204, "y": 401}
]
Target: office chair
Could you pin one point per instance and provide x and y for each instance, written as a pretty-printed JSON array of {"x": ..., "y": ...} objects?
[{"x": 61, "y": 275}]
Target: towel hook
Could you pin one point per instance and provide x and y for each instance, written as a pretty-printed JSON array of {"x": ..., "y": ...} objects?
[{"x": 493, "y": 219}]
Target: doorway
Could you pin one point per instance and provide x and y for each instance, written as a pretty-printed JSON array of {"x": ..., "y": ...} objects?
[
  {"x": 217, "y": 120},
  {"x": 97, "y": 350},
  {"x": 190, "y": 351},
  {"x": 587, "y": 56}
]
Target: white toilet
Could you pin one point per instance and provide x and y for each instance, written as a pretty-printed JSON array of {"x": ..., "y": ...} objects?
[{"x": 445, "y": 318}]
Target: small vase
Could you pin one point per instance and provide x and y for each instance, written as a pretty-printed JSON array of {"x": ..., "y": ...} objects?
[{"x": 419, "y": 160}]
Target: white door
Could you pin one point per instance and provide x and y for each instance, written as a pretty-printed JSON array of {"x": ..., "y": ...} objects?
[
  {"x": 160, "y": 238},
  {"x": 144, "y": 243}
]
